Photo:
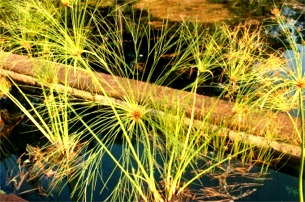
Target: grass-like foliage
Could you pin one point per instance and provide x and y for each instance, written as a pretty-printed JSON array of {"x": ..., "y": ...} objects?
[
  {"x": 292, "y": 79},
  {"x": 163, "y": 151}
]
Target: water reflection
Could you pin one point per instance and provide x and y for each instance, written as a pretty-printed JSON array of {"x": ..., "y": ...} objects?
[{"x": 280, "y": 187}]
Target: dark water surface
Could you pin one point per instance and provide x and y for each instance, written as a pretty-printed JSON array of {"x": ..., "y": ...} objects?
[{"x": 279, "y": 186}]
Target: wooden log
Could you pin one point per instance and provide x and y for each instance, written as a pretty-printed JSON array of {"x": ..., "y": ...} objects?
[
  {"x": 11, "y": 198},
  {"x": 81, "y": 83}
]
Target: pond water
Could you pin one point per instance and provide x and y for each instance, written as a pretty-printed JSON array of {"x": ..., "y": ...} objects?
[{"x": 278, "y": 186}]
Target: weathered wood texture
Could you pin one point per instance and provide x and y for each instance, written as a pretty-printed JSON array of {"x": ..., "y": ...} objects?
[
  {"x": 81, "y": 84},
  {"x": 11, "y": 198}
]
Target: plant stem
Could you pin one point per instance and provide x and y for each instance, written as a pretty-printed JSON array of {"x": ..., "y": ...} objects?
[{"x": 301, "y": 108}]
